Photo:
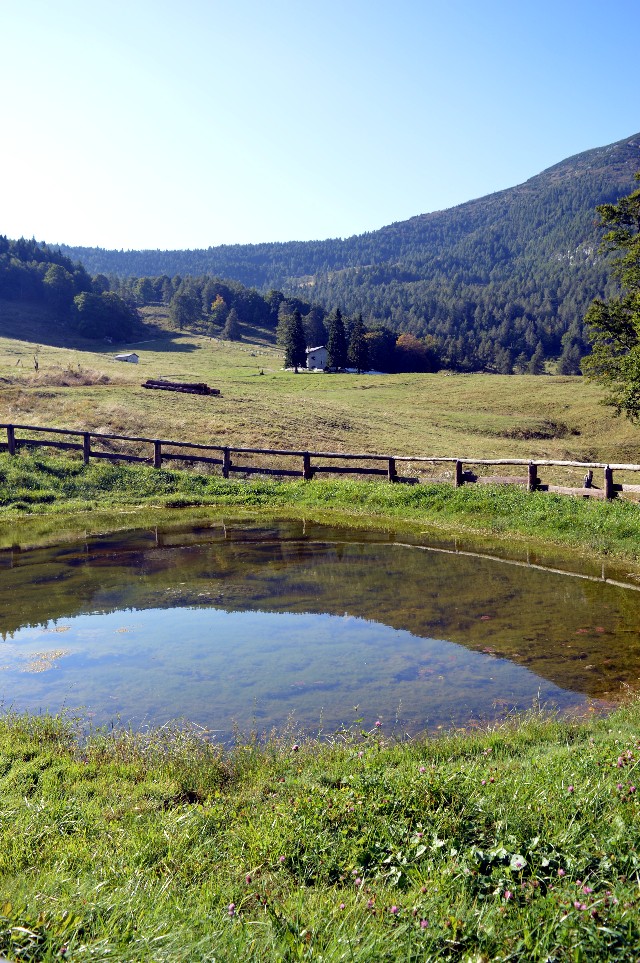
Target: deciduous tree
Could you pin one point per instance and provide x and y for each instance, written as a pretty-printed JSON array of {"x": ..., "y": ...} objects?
[{"x": 614, "y": 325}]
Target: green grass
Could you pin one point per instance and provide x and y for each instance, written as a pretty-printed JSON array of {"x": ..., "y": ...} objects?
[
  {"x": 519, "y": 843},
  {"x": 41, "y": 485}
]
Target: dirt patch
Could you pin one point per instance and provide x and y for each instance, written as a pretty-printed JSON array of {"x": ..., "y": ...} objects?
[{"x": 539, "y": 430}]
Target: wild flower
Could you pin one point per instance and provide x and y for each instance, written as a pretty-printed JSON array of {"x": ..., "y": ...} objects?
[
  {"x": 342, "y": 906},
  {"x": 561, "y": 872},
  {"x": 281, "y": 859},
  {"x": 378, "y": 723},
  {"x": 247, "y": 878},
  {"x": 507, "y": 894},
  {"x": 570, "y": 788},
  {"x": 395, "y": 910},
  {"x": 295, "y": 747},
  {"x": 423, "y": 924},
  {"x": 422, "y": 769},
  {"x": 371, "y": 903},
  {"x": 231, "y": 909},
  {"x": 358, "y": 881}
]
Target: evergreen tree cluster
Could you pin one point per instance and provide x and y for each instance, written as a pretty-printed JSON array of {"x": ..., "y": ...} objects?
[
  {"x": 36, "y": 273},
  {"x": 351, "y": 345}
]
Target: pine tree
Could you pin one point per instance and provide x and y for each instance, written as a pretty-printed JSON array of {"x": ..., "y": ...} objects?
[
  {"x": 337, "y": 342},
  {"x": 231, "y": 330},
  {"x": 358, "y": 354},
  {"x": 536, "y": 365},
  {"x": 290, "y": 336}
]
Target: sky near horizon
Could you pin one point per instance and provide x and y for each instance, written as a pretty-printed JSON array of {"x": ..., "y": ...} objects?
[{"x": 156, "y": 124}]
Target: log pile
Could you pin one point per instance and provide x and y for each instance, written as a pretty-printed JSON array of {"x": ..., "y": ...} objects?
[{"x": 189, "y": 388}]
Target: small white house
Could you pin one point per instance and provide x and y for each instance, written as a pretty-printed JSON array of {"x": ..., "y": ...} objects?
[
  {"x": 131, "y": 357},
  {"x": 317, "y": 357}
]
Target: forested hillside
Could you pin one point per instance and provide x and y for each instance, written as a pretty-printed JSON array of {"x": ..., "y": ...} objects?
[
  {"x": 38, "y": 274},
  {"x": 502, "y": 282}
]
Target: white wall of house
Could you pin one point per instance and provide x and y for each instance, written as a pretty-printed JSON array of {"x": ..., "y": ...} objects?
[{"x": 317, "y": 357}]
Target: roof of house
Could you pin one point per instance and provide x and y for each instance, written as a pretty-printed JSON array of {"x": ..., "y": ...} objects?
[{"x": 321, "y": 347}]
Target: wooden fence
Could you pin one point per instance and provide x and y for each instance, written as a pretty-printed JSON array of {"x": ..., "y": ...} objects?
[{"x": 311, "y": 463}]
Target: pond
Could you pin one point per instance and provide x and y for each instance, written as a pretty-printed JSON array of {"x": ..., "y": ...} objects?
[{"x": 239, "y": 625}]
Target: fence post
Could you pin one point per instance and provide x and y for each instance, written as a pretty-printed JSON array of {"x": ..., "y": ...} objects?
[
  {"x": 458, "y": 478},
  {"x": 391, "y": 470},
  {"x": 11, "y": 439},
  {"x": 608, "y": 483},
  {"x": 307, "y": 474},
  {"x": 157, "y": 454},
  {"x": 86, "y": 447},
  {"x": 532, "y": 477},
  {"x": 226, "y": 462}
]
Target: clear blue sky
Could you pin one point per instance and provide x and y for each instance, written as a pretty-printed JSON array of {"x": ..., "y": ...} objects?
[{"x": 165, "y": 124}]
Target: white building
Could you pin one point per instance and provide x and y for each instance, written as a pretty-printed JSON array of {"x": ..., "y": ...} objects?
[
  {"x": 317, "y": 357},
  {"x": 131, "y": 357}
]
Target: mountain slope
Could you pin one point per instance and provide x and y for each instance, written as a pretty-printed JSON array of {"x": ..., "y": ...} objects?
[{"x": 496, "y": 280}]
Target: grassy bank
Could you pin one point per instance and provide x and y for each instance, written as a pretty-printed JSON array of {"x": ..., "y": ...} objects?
[
  {"x": 39, "y": 485},
  {"x": 515, "y": 844}
]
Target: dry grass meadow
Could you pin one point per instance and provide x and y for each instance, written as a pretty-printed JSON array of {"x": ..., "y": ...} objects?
[{"x": 80, "y": 386}]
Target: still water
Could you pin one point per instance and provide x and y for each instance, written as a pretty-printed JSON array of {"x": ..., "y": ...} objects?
[{"x": 238, "y": 625}]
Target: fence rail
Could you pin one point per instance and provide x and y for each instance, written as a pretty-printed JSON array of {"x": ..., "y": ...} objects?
[{"x": 192, "y": 453}]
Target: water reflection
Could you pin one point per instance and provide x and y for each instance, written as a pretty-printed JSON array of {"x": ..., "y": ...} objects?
[{"x": 250, "y": 623}]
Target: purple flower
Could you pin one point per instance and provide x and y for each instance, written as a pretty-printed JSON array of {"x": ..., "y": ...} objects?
[
  {"x": 247, "y": 878},
  {"x": 423, "y": 924},
  {"x": 561, "y": 872},
  {"x": 422, "y": 769},
  {"x": 395, "y": 910},
  {"x": 587, "y": 889},
  {"x": 569, "y": 788},
  {"x": 295, "y": 747},
  {"x": 378, "y": 724},
  {"x": 507, "y": 894},
  {"x": 342, "y": 905},
  {"x": 632, "y": 788},
  {"x": 371, "y": 903},
  {"x": 231, "y": 909},
  {"x": 281, "y": 860},
  {"x": 358, "y": 881}
]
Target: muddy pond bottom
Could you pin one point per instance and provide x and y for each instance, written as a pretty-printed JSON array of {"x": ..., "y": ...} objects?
[{"x": 232, "y": 626}]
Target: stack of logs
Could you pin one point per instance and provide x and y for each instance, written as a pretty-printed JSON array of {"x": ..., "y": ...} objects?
[{"x": 186, "y": 387}]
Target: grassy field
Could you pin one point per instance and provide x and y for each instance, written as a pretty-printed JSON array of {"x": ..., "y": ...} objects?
[
  {"x": 467, "y": 415},
  {"x": 520, "y": 844}
]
